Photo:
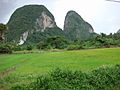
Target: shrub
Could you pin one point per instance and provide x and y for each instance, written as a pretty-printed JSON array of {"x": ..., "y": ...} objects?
[
  {"x": 5, "y": 48},
  {"x": 17, "y": 48},
  {"x": 74, "y": 47},
  {"x": 42, "y": 45},
  {"x": 29, "y": 47},
  {"x": 57, "y": 42},
  {"x": 104, "y": 78}
]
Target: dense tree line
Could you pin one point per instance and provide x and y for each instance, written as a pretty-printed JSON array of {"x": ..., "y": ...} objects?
[{"x": 58, "y": 42}]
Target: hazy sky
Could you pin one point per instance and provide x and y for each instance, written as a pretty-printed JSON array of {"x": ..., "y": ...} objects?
[{"x": 103, "y": 15}]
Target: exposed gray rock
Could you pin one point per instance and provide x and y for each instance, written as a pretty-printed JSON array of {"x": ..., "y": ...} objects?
[
  {"x": 118, "y": 31},
  {"x": 23, "y": 38},
  {"x": 44, "y": 21}
]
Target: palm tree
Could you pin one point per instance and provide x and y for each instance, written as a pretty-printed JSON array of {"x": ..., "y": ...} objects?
[{"x": 3, "y": 27}]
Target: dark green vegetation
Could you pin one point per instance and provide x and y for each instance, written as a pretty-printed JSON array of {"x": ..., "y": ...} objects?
[
  {"x": 103, "y": 40},
  {"x": 76, "y": 28},
  {"x": 34, "y": 19},
  {"x": 58, "y": 42},
  {"x": 104, "y": 78},
  {"x": 38, "y": 24},
  {"x": 5, "y": 48},
  {"x": 3, "y": 28},
  {"x": 37, "y": 37},
  {"x": 53, "y": 43},
  {"x": 19, "y": 69}
]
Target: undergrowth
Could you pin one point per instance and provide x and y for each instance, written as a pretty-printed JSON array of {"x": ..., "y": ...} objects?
[{"x": 103, "y": 78}]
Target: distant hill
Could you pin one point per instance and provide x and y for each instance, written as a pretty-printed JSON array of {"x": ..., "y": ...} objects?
[
  {"x": 32, "y": 23},
  {"x": 76, "y": 28},
  {"x": 35, "y": 23}
]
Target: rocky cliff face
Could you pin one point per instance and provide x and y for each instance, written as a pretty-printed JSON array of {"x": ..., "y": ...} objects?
[
  {"x": 44, "y": 21},
  {"x": 23, "y": 38},
  {"x": 1, "y": 36},
  {"x": 76, "y": 28},
  {"x": 118, "y": 31},
  {"x": 28, "y": 21}
]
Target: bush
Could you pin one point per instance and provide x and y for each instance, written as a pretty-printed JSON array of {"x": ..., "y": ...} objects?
[
  {"x": 74, "y": 47},
  {"x": 104, "y": 78},
  {"x": 29, "y": 47},
  {"x": 5, "y": 48},
  {"x": 43, "y": 46},
  {"x": 17, "y": 48},
  {"x": 57, "y": 42}
]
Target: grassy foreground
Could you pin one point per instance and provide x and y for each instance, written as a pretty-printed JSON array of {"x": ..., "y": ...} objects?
[
  {"x": 41, "y": 63},
  {"x": 84, "y": 60},
  {"x": 104, "y": 78}
]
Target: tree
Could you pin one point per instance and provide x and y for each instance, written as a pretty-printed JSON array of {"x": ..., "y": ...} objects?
[
  {"x": 5, "y": 48},
  {"x": 3, "y": 27},
  {"x": 42, "y": 45},
  {"x": 57, "y": 42},
  {"x": 29, "y": 47},
  {"x": 103, "y": 35}
]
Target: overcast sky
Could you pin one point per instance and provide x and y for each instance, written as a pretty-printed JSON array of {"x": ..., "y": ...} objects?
[{"x": 103, "y": 15}]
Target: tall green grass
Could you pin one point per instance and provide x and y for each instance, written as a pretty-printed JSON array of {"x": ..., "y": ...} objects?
[{"x": 104, "y": 78}]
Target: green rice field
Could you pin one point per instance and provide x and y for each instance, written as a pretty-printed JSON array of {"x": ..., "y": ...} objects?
[{"x": 40, "y": 63}]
